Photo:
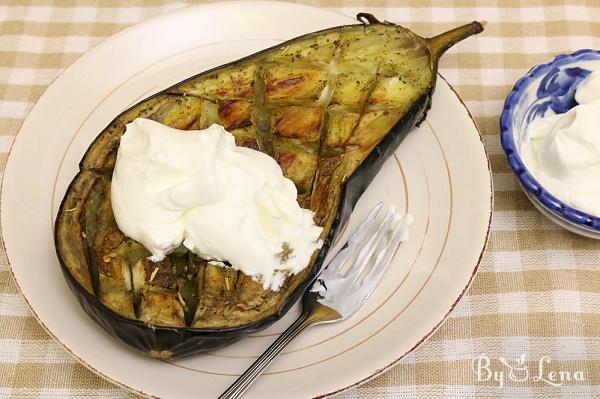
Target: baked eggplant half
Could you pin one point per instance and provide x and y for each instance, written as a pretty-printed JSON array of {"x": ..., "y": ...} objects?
[{"x": 330, "y": 107}]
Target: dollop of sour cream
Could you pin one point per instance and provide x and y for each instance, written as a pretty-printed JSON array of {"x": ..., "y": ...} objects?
[
  {"x": 562, "y": 151},
  {"x": 222, "y": 202}
]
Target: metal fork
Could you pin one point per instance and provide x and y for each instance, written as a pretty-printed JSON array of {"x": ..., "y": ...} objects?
[{"x": 342, "y": 287}]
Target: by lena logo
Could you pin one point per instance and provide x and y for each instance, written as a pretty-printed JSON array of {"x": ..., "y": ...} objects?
[{"x": 518, "y": 371}]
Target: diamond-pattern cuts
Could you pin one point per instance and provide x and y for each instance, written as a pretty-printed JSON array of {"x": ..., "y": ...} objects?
[
  {"x": 302, "y": 86},
  {"x": 294, "y": 122},
  {"x": 297, "y": 164},
  {"x": 316, "y": 49},
  {"x": 235, "y": 114},
  {"x": 351, "y": 89},
  {"x": 235, "y": 82}
]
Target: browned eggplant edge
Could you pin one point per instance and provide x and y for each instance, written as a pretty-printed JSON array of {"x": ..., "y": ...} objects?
[{"x": 171, "y": 342}]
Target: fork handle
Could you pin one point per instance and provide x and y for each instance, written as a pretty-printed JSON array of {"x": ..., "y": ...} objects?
[{"x": 237, "y": 389}]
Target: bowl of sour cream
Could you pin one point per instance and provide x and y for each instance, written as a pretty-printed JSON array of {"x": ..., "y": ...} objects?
[{"x": 550, "y": 133}]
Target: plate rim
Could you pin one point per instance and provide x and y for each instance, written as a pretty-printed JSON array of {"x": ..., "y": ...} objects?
[{"x": 170, "y": 14}]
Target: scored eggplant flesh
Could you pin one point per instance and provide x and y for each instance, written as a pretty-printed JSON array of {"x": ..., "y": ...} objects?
[{"x": 320, "y": 105}]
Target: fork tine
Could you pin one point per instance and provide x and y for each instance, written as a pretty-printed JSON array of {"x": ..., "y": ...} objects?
[
  {"x": 362, "y": 230},
  {"x": 366, "y": 253},
  {"x": 339, "y": 261},
  {"x": 384, "y": 258}
]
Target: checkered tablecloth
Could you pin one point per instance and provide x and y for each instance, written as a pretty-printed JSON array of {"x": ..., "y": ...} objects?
[{"x": 536, "y": 297}]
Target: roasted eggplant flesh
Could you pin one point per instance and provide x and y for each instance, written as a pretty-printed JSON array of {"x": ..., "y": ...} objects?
[{"x": 319, "y": 105}]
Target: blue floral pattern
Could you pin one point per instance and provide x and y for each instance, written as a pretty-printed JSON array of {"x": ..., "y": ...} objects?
[{"x": 557, "y": 91}]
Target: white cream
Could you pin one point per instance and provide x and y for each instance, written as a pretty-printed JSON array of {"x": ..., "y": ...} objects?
[
  {"x": 222, "y": 202},
  {"x": 562, "y": 151}
]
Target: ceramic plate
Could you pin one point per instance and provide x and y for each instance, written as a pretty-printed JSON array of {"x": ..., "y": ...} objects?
[{"x": 439, "y": 174}]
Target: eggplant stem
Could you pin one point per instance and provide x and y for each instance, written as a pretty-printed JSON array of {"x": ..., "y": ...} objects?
[
  {"x": 442, "y": 42},
  {"x": 367, "y": 18}
]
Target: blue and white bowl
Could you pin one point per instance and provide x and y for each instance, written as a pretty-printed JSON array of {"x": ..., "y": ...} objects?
[{"x": 547, "y": 86}]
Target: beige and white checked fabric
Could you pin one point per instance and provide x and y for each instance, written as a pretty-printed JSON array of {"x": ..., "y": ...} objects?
[{"x": 538, "y": 290}]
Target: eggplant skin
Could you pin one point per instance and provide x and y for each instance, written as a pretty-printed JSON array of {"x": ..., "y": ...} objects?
[{"x": 330, "y": 107}]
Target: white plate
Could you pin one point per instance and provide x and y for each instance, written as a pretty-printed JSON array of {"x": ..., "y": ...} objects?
[{"x": 440, "y": 174}]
